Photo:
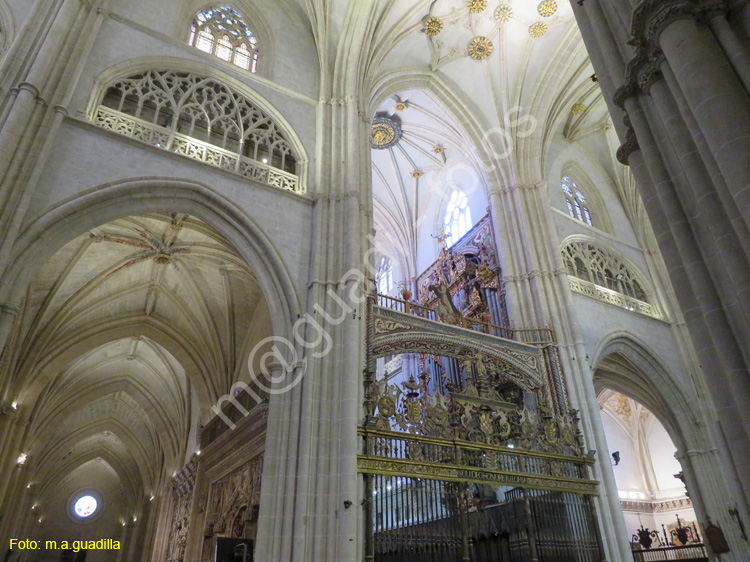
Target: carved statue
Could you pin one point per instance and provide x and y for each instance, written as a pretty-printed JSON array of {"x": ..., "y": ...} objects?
[{"x": 446, "y": 309}]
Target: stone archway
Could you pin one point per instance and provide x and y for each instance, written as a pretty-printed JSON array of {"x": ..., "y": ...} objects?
[{"x": 628, "y": 366}]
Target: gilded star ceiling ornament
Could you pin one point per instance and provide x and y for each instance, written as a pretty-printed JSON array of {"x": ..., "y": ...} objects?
[
  {"x": 578, "y": 109},
  {"x": 433, "y": 26},
  {"x": 417, "y": 174},
  {"x": 547, "y": 8},
  {"x": 385, "y": 133},
  {"x": 480, "y": 48},
  {"x": 538, "y": 29},
  {"x": 160, "y": 250},
  {"x": 504, "y": 13},
  {"x": 401, "y": 106},
  {"x": 476, "y": 6}
]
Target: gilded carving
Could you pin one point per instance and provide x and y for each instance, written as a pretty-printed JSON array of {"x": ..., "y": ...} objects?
[
  {"x": 504, "y": 13},
  {"x": 432, "y": 27},
  {"x": 481, "y": 48},
  {"x": 385, "y": 133}
]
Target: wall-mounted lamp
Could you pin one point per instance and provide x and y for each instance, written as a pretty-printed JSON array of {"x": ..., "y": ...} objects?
[{"x": 615, "y": 458}]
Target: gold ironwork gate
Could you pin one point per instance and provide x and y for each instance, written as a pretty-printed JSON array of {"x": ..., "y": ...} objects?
[{"x": 469, "y": 453}]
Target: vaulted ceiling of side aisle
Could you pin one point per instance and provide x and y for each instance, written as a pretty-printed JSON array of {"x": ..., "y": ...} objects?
[{"x": 129, "y": 334}]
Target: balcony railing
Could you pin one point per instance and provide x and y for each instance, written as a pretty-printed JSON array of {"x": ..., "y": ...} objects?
[
  {"x": 536, "y": 336},
  {"x": 166, "y": 139},
  {"x": 609, "y": 296},
  {"x": 689, "y": 553}
]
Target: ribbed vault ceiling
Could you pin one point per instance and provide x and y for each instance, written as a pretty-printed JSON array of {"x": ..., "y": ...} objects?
[{"x": 128, "y": 335}]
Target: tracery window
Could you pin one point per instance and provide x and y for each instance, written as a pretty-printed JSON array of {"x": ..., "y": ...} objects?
[
  {"x": 221, "y": 31},
  {"x": 457, "y": 219},
  {"x": 384, "y": 276},
  {"x": 203, "y": 119},
  {"x": 578, "y": 206},
  {"x": 590, "y": 263}
]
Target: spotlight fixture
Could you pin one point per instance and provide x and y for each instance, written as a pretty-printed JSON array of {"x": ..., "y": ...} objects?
[{"x": 615, "y": 458}]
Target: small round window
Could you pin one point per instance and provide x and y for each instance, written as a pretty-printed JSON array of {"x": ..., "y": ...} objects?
[{"x": 85, "y": 506}]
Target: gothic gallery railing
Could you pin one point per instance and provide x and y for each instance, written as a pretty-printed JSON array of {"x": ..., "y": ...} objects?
[
  {"x": 172, "y": 141},
  {"x": 611, "y": 297}
]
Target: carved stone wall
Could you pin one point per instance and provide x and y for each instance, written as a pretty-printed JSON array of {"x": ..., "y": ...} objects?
[
  {"x": 233, "y": 502},
  {"x": 183, "y": 486}
]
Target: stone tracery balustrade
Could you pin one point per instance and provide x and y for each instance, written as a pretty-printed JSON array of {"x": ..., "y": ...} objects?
[
  {"x": 611, "y": 297},
  {"x": 207, "y": 153}
]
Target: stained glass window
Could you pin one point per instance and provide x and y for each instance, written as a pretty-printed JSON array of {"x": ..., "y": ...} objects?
[
  {"x": 237, "y": 44},
  {"x": 85, "y": 506},
  {"x": 457, "y": 217},
  {"x": 576, "y": 201},
  {"x": 384, "y": 276}
]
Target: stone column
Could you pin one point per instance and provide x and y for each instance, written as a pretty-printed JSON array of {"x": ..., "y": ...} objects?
[
  {"x": 535, "y": 272},
  {"x": 717, "y": 99},
  {"x": 58, "y": 44},
  {"x": 163, "y": 522},
  {"x": 312, "y": 444}
]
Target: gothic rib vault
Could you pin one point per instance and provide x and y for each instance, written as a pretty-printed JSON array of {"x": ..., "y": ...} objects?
[{"x": 149, "y": 242}]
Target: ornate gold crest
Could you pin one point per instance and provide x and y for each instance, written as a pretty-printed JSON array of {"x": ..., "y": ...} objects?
[
  {"x": 433, "y": 26},
  {"x": 578, "y": 109},
  {"x": 480, "y": 48},
  {"x": 385, "y": 133},
  {"x": 538, "y": 29},
  {"x": 504, "y": 13},
  {"x": 476, "y": 6},
  {"x": 547, "y": 8}
]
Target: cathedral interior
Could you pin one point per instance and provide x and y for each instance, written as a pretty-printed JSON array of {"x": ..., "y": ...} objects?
[{"x": 374, "y": 280}]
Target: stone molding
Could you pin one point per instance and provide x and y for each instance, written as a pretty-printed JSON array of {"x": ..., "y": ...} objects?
[
  {"x": 533, "y": 275},
  {"x": 657, "y": 506},
  {"x": 650, "y": 18}
]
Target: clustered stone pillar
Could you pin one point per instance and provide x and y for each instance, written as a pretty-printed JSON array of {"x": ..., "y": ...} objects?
[
  {"x": 312, "y": 443},
  {"x": 535, "y": 277},
  {"x": 679, "y": 79}
]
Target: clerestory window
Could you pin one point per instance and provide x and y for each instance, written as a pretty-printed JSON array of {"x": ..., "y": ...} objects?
[{"x": 221, "y": 31}]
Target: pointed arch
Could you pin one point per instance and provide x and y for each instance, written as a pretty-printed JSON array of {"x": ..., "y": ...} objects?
[
  {"x": 598, "y": 264},
  {"x": 49, "y": 231},
  {"x": 248, "y": 107},
  {"x": 645, "y": 378},
  {"x": 7, "y": 28}
]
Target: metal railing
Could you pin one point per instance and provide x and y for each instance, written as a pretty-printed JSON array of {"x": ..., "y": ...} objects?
[
  {"x": 534, "y": 336},
  {"x": 688, "y": 553}
]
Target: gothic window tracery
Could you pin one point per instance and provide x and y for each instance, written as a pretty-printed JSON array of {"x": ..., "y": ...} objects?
[
  {"x": 578, "y": 206},
  {"x": 384, "y": 276},
  {"x": 457, "y": 221},
  {"x": 591, "y": 263},
  {"x": 221, "y": 31},
  {"x": 203, "y": 119}
]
